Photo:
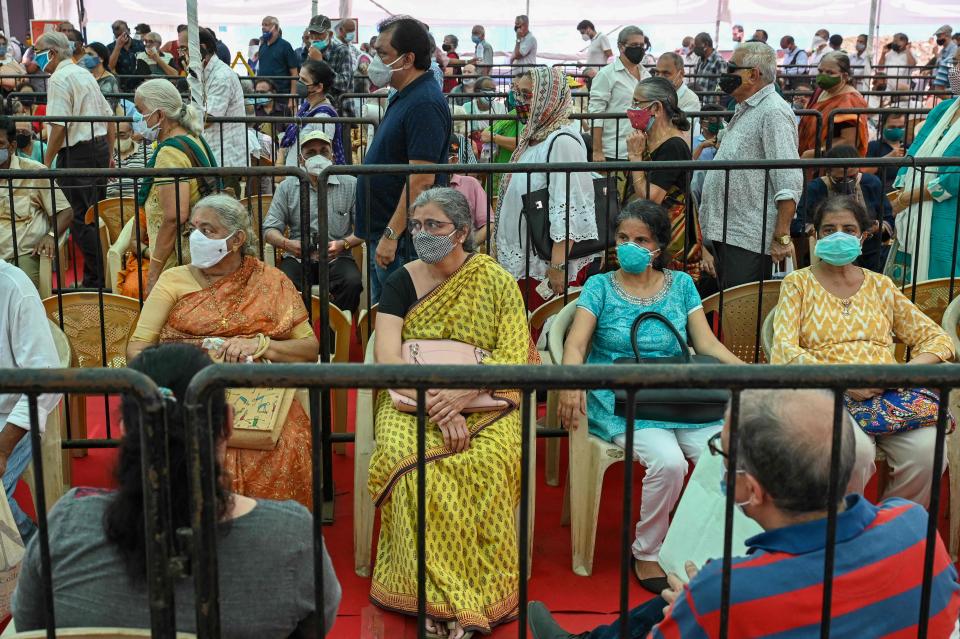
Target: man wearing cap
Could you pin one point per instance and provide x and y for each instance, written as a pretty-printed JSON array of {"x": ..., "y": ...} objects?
[
  {"x": 944, "y": 60},
  {"x": 346, "y": 283},
  {"x": 325, "y": 47},
  {"x": 276, "y": 57}
]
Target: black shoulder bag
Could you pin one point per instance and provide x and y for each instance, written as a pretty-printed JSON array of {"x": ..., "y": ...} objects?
[
  {"x": 677, "y": 405},
  {"x": 536, "y": 211}
]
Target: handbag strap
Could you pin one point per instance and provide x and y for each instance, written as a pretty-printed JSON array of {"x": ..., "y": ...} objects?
[
  {"x": 684, "y": 351},
  {"x": 549, "y": 151}
]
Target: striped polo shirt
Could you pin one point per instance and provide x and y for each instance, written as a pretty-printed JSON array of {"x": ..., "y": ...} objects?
[{"x": 776, "y": 591}]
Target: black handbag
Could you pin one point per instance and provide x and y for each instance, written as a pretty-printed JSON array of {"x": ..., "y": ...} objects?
[
  {"x": 676, "y": 405},
  {"x": 536, "y": 211}
]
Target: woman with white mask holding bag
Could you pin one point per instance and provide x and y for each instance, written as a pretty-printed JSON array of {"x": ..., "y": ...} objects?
[
  {"x": 177, "y": 129},
  {"x": 240, "y": 310}
]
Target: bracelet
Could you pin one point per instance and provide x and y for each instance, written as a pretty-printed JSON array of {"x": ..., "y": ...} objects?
[
  {"x": 157, "y": 260},
  {"x": 346, "y": 244},
  {"x": 262, "y": 347},
  {"x": 558, "y": 267}
]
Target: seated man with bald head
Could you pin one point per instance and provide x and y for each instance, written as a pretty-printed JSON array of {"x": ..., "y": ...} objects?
[{"x": 783, "y": 483}]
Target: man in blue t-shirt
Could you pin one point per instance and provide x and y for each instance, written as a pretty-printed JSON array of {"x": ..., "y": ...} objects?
[
  {"x": 415, "y": 129},
  {"x": 276, "y": 57}
]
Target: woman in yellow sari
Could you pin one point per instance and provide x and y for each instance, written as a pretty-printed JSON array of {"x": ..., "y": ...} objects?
[
  {"x": 472, "y": 458},
  {"x": 257, "y": 314}
]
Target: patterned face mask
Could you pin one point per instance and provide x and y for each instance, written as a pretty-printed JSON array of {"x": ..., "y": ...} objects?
[
  {"x": 954, "y": 76},
  {"x": 433, "y": 248}
]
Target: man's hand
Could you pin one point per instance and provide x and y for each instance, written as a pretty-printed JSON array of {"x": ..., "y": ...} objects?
[
  {"x": 598, "y": 155},
  {"x": 45, "y": 248},
  {"x": 314, "y": 53},
  {"x": 708, "y": 264},
  {"x": 863, "y": 394},
  {"x": 779, "y": 252},
  {"x": 334, "y": 248},
  {"x": 293, "y": 247},
  {"x": 153, "y": 53},
  {"x": 897, "y": 152},
  {"x": 673, "y": 593},
  {"x": 556, "y": 279},
  {"x": 386, "y": 252},
  {"x": 486, "y": 135}
]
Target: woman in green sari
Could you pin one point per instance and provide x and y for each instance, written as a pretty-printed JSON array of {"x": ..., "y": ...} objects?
[{"x": 472, "y": 458}]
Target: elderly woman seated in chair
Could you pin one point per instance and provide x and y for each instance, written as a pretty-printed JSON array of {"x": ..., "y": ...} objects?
[
  {"x": 606, "y": 310},
  {"x": 241, "y": 310},
  {"x": 835, "y": 312},
  {"x": 448, "y": 298}
]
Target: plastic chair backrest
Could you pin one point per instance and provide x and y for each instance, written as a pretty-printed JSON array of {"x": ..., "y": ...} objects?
[
  {"x": 951, "y": 324},
  {"x": 766, "y": 334},
  {"x": 558, "y": 331},
  {"x": 114, "y": 211},
  {"x": 740, "y": 319},
  {"x": 82, "y": 326},
  {"x": 341, "y": 330},
  {"x": 544, "y": 312}
]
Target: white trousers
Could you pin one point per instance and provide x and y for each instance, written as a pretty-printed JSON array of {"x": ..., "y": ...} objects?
[
  {"x": 910, "y": 457},
  {"x": 664, "y": 454}
]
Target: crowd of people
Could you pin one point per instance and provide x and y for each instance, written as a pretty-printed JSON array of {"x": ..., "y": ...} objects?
[{"x": 456, "y": 261}]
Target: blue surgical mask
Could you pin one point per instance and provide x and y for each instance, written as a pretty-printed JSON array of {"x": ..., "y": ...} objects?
[
  {"x": 634, "y": 258},
  {"x": 838, "y": 249},
  {"x": 4, "y": 155},
  {"x": 477, "y": 39},
  {"x": 3, "y": 50},
  {"x": 266, "y": 35},
  {"x": 349, "y": 37},
  {"x": 319, "y": 45},
  {"x": 723, "y": 489},
  {"x": 893, "y": 133},
  {"x": 42, "y": 59},
  {"x": 90, "y": 61}
]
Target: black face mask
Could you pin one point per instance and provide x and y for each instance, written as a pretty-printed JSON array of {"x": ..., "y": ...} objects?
[
  {"x": 941, "y": 41},
  {"x": 700, "y": 51},
  {"x": 446, "y": 47},
  {"x": 729, "y": 82},
  {"x": 895, "y": 47},
  {"x": 844, "y": 186},
  {"x": 634, "y": 54},
  {"x": 23, "y": 140}
]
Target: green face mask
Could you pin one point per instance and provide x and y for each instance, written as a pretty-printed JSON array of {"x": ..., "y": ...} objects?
[
  {"x": 827, "y": 82},
  {"x": 714, "y": 127}
]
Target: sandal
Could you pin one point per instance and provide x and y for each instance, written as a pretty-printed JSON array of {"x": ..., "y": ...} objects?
[{"x": 656, "y": 585}]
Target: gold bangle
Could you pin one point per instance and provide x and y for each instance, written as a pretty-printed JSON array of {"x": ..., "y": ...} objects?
[
  {"x": 262, "y": 347},
  {"x": 157, "y": 260}
]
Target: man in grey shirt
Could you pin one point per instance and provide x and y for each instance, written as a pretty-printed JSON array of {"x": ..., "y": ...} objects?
[
  {"x": 483, "y": 54},
  {"x": 525, "y": 51},
  {"x": 346, "y": 283},
  {"x": 745, "y": 235}
]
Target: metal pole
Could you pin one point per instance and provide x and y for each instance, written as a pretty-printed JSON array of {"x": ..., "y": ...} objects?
[
  {"x": 313, "y": 8},
  {"x": 871, "y": 30}
]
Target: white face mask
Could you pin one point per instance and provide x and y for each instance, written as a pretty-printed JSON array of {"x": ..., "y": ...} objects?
[
  {"x": 586, "y": 37},
  {"x": 314, "y": 165},
  {"x": 207, "y": 252},
  {"x": 379, "y": 72}
]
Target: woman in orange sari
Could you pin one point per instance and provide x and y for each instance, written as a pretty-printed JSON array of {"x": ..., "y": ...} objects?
[
  {"x": 253, "y": 313},
  {"x": 835, "y": 92}
]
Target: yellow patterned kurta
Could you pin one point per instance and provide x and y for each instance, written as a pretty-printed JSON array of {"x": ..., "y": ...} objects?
[
  {"x": 811, "y": 327},
  {"x": 472, "y": 496}
]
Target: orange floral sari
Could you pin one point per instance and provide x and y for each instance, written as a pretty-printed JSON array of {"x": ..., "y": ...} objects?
[{"x": 255, "y": 299}]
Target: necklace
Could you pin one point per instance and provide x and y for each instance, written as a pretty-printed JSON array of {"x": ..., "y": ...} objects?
[
  {"x": 636, "y": 299},
  {"x": 845, "y": 306}
]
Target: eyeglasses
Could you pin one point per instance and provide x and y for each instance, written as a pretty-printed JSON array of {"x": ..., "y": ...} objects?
[
  {"x": 433, "y": 226},
  {"x": 642, "y": 104},
  {"x": 715, "y": 446},
  {"x": 733, "y": 68}
]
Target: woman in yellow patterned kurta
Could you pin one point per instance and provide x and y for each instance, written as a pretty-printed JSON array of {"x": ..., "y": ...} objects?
[
  {"x": 839, "y": 313},
  {"x": 472, "y": 459}
]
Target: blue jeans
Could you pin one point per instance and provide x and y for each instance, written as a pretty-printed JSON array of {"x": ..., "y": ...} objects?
[
  {"x": 640, "y": 620},
  {"x": 16, "y": 464},
  {"x": 379, "y": 275}
]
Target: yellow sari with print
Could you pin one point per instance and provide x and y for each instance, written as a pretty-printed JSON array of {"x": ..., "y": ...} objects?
[{"x": 472, "y": 496}]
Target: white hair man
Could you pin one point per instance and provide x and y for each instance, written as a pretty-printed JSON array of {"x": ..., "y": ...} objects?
[
  {"x": 748, "y": 217},
  {"x": 73, "y": 91}
]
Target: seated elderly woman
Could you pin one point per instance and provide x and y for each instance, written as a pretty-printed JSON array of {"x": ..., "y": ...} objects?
[
  {"x": 450, "y": 295},
  {"x": 607, "y": 307},
  {"x": 837, "y": 313},
  {"x": 98, "y": 543},
  {"x": 241, "y": 310}
]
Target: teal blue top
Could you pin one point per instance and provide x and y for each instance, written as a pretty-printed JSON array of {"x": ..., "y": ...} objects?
[
  {"x": 615, "y": 310},
  {"x": 39, "y": 149}
]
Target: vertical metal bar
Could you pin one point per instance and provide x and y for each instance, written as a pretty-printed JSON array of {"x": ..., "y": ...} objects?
[
  {"x": 626, "y": 525},
  {"x": 732, "y": 460},
  {"x": 933, "y": 514},
  {"x": 421, "y": 514},
  {"x": 829, "y": 551},
  {"x": 525, "y": 453},
  {"x": 46, "y": 573}
]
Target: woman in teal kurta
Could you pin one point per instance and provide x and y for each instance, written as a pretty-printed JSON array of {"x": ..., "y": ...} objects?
[{"x": 928, "y": 201}]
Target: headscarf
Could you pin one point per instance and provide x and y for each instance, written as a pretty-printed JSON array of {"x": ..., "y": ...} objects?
[{"x": 550, "y": 109}]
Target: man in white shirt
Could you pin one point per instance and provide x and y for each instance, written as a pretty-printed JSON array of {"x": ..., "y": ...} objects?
[
  {"x": 860, "y": 63},
  {"x": 525, "y": 51},
  {"x": 819, "y": 47},
  {"x": 612, "y": 92},
  {"x": 160, "y": 62},
  {"x": 26, "y": 343},
  {"x": 223, "y": 96},
  {"x": 690, "y": 59},
  {"x": 73, "y": 91},
  {"x": 670, "y": 67},
  {"x": 598, "y": 52},
  {"x": 894, "y": 59},
  {"x": 794, "y": 62}
]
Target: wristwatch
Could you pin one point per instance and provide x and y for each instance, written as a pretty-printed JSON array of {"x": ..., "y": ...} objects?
[
  {"x": 390, "y": 234},
  {"x": 784, "y": 240}
]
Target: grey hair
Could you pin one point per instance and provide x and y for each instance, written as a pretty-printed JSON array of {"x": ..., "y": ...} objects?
[
  {"x": 271, "y": 20},
  {"x": 163, "y": 95},
  {"x": 762, "y": 56},
  {"x": 841, "y": 59},
  {"x": 56, "y": 42},
  {"x": 454, "y": 205},
  {"x": 626, "y": 32},
  {"x": 675, "y": 59},
  {"x": 661, "y": 90},
  {"x": 791, "y": 462},
  {"x": 153, "y": 35},
  {"x": 232, "y": 214},
  {"x": 524, "y": 19}
]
